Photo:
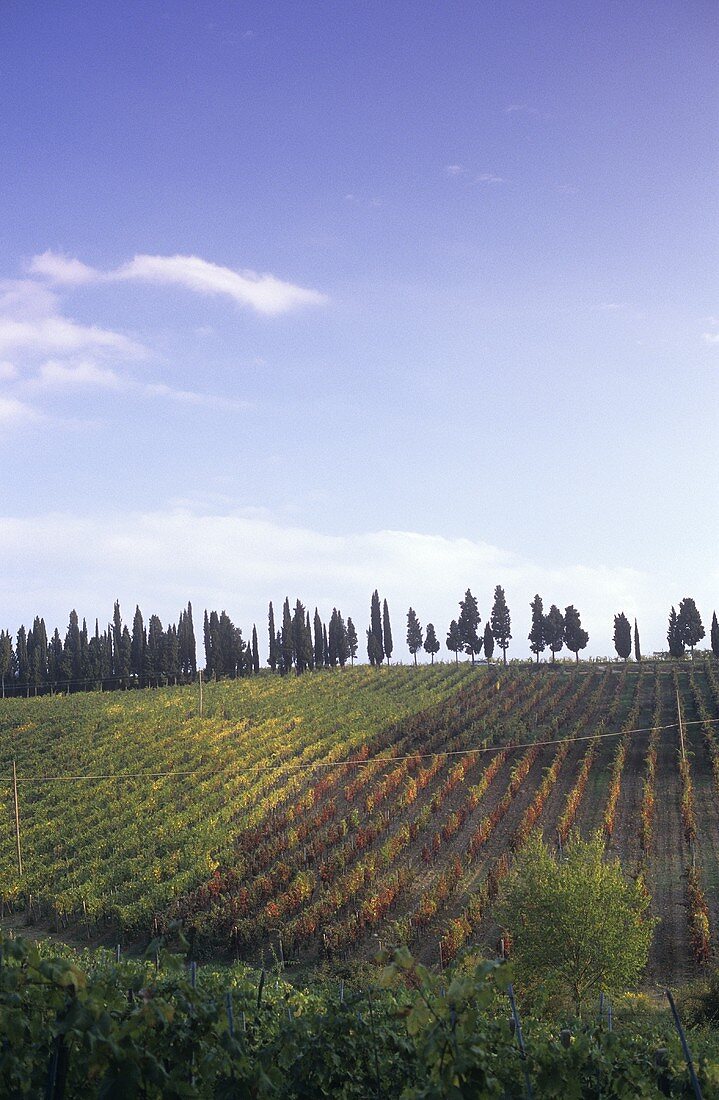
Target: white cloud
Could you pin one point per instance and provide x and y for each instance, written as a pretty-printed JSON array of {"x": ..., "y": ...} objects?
[
  {"x": 710, "y": 337},
  {"x": 62, "y": 269},
  {"x": 8, "y": 371},
  {"x": 15, "y": 413},
  {"x": 264, "y": 293},
  {"x": 454, "y": 170},
  {"x": 61, "y": 375},
  {"x": 240, "y": 561},
  {"x": 489, "y": 177},
  {"x": 30, "y": 321},
  {"x": 54, "y": 373}
]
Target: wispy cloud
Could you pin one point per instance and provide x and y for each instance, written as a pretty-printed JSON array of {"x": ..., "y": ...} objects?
[
  {"x": 58, "y": 376},
  {"x": 8, "y": 371},
  {"x": 62, "y": 269},
  {"x": 264, "y": 293},
  {"x": 30, "y": 321},
  {"x": 454, "y": 170},
  {"x": 15, "y": 413},
  {"x": 489, "y": 177},
  {"x": 710, "y": 337}
]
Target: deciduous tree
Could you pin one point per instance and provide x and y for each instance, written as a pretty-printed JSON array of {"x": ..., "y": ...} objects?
[{"x": 578, "y": 926}]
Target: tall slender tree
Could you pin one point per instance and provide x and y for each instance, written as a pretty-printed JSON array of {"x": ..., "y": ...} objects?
[
  {"x": 488, "y": 641},
  {"x": 375, "y": 648},
  {"x": 352, "y": 640},
  {"x": 386, "y": 632},
  {"x": 637, "y": 650},
  {"x": 414, "y": 633},
  {"x": 272, "y": 632},
  {"x": 6, "y": 658},
  {"x": 622, "y": 636},
  {"x": 500, "y": 622},
  {"x": 318, "y": 641},
  {"x": 714, "y": 635},
  {"x": 537, "y": 641},
  {"x": 575, "y": 638},
  {"x": 287, "y": 642},
  {"x": 255, "y": 651},
  {"x": 674, "y": 637}
]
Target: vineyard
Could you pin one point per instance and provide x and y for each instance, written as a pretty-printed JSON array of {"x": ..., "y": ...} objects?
[{"x": 324, "y": 816}]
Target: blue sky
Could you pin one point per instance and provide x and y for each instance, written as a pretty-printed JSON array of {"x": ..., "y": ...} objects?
[{"x": 313, "y": 298}]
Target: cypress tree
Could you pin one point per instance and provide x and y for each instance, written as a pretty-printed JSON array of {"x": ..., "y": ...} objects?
[
  {"x": 468, "y": 622},
  {"x": 325, "y": 647},
  {"x": 387, "y": 632},
  {"x": 431, "y": 645},
  {"x": 274, "y": 652},
  {"x": 308, "y": 642},
  {"x": 674, "y": 638},
  {"x": 23, "y": 663},
  {"x": 117, "y": 636},
  {"x": 489, "y": 642},
  {"x": 301, "y": 647},
  {"x": 319, "y": 642},
  {"x": 414, "y": 634},
  {"x": 155, "y": 652},
  {"x": 71, "y": 651},
  {"x": 637, "y": 650},
  {"x": 574, "y": 637},
  {"x": 501, "y": 622},
  {"x": 352, "y": 640},
  {"x": 689, "y": 623},
  {"x": 622, "y": 635},
  {"x": 375, "y": 648},
  {"x": 137, "y": 650},
  {"x": 255, "y": 651},
  {"x": 454, "y": 642},
  {"x": 554, "y": 630},
  {"x": 287, "y": 646},
  {"x": 537, "y": 641},
  {"x": 714, "y": 635},
  {"x": 6, "y": 658}
]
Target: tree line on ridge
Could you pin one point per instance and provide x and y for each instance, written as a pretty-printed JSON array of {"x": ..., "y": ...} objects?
[{"x": 152, "y": 655}]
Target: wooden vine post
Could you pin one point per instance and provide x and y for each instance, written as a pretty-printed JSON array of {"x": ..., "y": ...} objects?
[{"x": 17, "y": 818}]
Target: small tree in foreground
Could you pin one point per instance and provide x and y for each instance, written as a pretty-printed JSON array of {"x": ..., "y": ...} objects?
[{"x": 578, "y": 927}]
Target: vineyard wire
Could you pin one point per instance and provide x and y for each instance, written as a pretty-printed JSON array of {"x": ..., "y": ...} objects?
[{"x": 357, "y": 763}]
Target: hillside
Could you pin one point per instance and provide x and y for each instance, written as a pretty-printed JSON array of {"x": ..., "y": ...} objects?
[{"x": 340, "y": 809}]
